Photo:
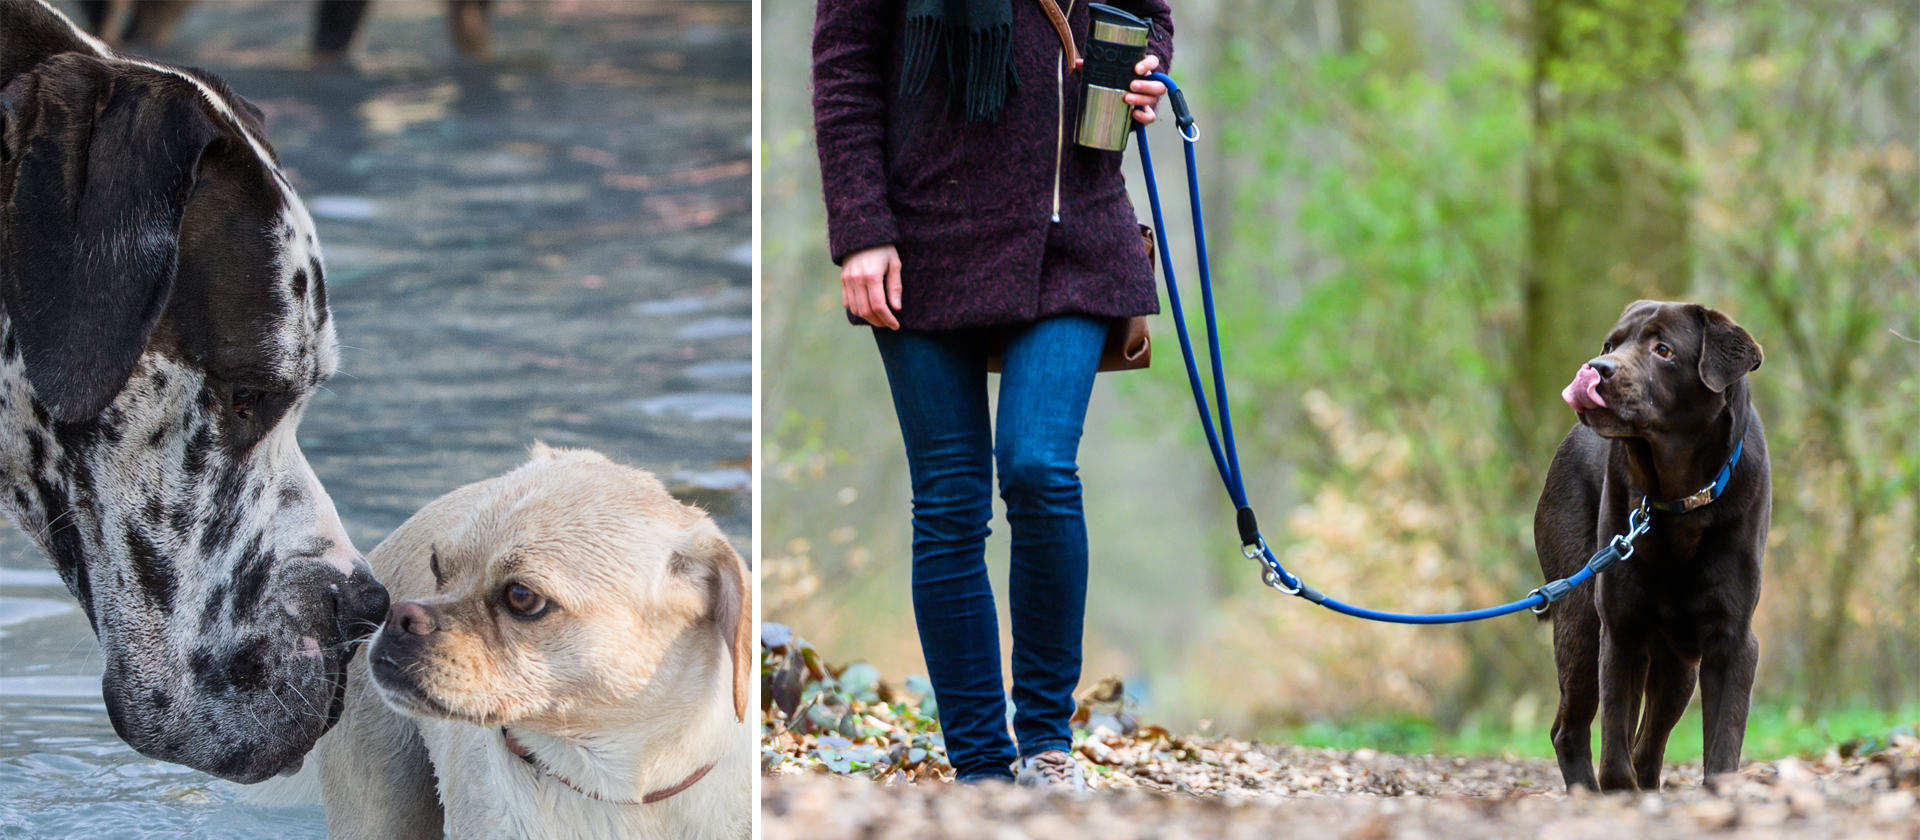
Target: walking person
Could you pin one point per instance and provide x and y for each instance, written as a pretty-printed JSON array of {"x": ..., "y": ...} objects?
[{"x": 968, "y": 226}]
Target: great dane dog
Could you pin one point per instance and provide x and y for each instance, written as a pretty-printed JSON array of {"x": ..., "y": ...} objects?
[{"x": 165, "y": 322}]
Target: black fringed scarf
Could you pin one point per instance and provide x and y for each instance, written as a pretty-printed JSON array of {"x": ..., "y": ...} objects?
[{"x": 977, "y": 38}]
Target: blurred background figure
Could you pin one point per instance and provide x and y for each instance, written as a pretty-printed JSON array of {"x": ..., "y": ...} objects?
[{"x": 151, "y": 23}]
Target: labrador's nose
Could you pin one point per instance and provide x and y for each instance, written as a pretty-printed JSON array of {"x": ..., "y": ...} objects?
[
  {"x": 410, "y": 618},
  {"x": 1603, "y": 366}
]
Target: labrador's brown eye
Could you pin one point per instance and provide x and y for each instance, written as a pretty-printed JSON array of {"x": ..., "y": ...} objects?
[
  {"x": 524, "y": 602},
  {"x": 1663, "y": 351}
]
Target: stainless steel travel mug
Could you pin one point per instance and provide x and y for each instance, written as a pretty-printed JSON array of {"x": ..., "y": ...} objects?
[{"x": 1119, "y": 42}]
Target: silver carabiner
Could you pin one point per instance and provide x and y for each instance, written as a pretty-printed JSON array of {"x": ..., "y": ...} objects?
[
  {"x": 1638, "y": 523},
  {"x": 1623, "y": 545},
  {"x": 1256, "y": 550},
  {"x": 1272, "y": 578}
]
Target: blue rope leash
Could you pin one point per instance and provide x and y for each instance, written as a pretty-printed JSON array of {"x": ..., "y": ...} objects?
[{"x": 1226, "y": 457}]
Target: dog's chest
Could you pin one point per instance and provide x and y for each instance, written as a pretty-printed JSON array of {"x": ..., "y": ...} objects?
[{"x": 1681, "y": 582}]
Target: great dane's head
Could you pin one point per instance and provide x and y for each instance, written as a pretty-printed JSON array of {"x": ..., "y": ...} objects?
[
  {"x": 165, "y": 322},
  {"x": 1664, "y": 370}
]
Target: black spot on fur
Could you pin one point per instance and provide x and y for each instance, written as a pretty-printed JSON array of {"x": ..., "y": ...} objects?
[
  {"x": 300, "y": 284},
  {"x": 199, "y": 446},
  {"x": 250, "y": 666},
  {"x": 250, "y": 578},
  {"x": 245, "y": 669},
  {"x": 154, "y": 573},
  {"x": 64, "y": 546},
  {"x": 319, "y": 287},
  {"x": 209, "y": 671},
  {"x": 37, "y": 453},
  {"x": 210, "y": 611}
]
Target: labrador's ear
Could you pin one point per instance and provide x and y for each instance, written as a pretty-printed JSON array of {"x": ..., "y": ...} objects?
[
  {"x": 710, "y": 559},
  {"x": 100, "y": 160},
  {"x": 1727, "y": 352}
]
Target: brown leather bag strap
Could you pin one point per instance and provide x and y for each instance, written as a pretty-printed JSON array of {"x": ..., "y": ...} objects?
[{"x": 1059, "y": 20}]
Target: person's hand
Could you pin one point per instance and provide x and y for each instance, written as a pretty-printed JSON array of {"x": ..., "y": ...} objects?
[
  {"x": 1146, "y": 92},
  {"x": 870, "y": 285}
]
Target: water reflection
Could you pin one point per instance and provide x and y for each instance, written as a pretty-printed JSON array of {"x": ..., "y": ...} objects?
[{"x": 551, "y": 246}]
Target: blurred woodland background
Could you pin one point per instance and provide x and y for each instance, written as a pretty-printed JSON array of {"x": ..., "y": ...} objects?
[{"x": 1424, "y": 216}]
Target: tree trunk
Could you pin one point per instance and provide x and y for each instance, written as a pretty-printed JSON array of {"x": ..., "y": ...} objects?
[{"x": 1607, "y": 201}]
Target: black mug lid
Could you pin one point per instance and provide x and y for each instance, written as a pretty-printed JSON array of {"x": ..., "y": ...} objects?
[{"x": 1103, "y": 13}]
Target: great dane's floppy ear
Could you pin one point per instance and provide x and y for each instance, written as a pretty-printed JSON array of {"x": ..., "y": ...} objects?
[
  {"x": 100, "y": 161},
  {"x": 711, "y": 559},
  {"x": 1726, "y": 351}
]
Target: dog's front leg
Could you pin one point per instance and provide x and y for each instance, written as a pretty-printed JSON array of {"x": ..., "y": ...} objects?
[
  {"x": 1623, "y": 679},
  {"x": 1576, "y": 656},
  {"x": 1726, "y": 690},
  {"x": 1670, "y": 682}
]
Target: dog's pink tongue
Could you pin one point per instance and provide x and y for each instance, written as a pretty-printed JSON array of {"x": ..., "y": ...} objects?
[{"x": 1583, "y": 393}]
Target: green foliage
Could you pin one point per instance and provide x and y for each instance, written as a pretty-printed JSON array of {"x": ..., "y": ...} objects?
[
  {"x": 1774, "y": 731},
  {"x": 1405, "y": 189}
]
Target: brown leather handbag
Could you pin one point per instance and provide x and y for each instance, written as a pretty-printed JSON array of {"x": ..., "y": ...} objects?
[{"x": 1128, "y": 345}]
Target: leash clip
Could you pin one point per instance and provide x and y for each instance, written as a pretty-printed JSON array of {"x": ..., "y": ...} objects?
[{"x": 1272, "y": 578}]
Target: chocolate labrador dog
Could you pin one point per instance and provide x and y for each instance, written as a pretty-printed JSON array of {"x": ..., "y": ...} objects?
[{"x": 1667, "y": 431}]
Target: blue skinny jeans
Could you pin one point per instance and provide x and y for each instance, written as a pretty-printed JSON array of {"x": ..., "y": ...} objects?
[{"x": 939, "y": 383}]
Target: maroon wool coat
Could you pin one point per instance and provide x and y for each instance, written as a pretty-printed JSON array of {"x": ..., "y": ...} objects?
[{"x": 997, "y": 223}]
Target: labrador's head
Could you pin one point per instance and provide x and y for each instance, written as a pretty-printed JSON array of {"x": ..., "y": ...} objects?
[
  {"x": 566, "y": 589},
  {"x": 1664, "y": 369}
]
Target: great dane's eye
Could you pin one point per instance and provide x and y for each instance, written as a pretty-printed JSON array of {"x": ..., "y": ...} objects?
[
  {"x": 524, "y": 602},
  {"x": 1606, "y": 348},
  {"x": 245, "y": 401},
  {"x": 1663, "y": 351}
]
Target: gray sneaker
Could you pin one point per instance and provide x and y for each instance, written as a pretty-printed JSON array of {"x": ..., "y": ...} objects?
[{"x": 1051, "y": 769}]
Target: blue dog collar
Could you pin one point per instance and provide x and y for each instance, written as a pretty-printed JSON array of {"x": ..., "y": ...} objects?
[{"x": 1707, "y": 493}]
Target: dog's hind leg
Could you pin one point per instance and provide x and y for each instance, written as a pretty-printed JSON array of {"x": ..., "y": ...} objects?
[
  {"x": 1670, "y": 683},
  {"x": 1576, "y": 655},
  {"x": 1726, "y": 691}
]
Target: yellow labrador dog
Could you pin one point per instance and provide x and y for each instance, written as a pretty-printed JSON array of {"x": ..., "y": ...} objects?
[{"x": 567, "y": 656}]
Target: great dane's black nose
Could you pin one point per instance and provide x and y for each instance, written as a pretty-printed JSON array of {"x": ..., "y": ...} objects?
[
  {"x": 1603, "y": 366},
  {"x": 363, "y": 603}
]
